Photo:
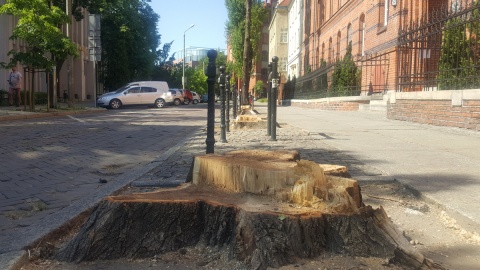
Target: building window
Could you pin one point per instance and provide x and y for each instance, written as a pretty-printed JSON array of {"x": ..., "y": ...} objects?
[
  {"x": 264, "y": 74},
  {"x": 264, "y": 56},
  {"x": 284, "y": 35},
  {"x": 330, "y": 53},
  {"x": 349, "y": 34},
  {"x": 339, "y": 38},
  {"x": 323, "y": 52},
  {"x": 361, "y": 38},
  {"x": 382, "y": 13},
  {"x": 282, "y": 64}
]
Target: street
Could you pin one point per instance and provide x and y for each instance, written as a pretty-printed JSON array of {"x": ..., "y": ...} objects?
[{"x": 50, "y": 163}]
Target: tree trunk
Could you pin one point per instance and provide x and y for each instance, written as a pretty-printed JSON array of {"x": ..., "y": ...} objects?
[
  {"x": 247, "y": 54},
  {"x": 275, "y": 210}
]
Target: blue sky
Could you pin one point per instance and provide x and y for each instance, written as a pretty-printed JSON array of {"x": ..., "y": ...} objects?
[{"x": 176, "y": 16}]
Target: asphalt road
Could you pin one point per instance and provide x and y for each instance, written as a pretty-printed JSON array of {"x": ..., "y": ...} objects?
[{"x": 50, "y": 164}]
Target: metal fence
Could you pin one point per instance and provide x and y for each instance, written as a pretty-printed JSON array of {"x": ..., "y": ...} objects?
[{"x": 441, "y": 51}]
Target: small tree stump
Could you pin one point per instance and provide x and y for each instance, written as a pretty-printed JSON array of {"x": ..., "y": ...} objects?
[{"x": 267, "y": 209}]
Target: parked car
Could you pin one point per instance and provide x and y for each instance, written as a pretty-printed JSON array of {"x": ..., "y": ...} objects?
[
  {"x": 195, "y": 97},
  {"x": 187, "y": 96},
  {"x": 204, "y": 98},
  {"x": 176, "y": 96},
  {"x": 136, "y": 93}
]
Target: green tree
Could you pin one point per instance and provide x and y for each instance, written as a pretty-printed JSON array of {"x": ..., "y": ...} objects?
[
  {"x": 259, "y": 89},
  {"x": 344, "y": 77},
  {"x": 38, "y": 26},
  {"x": 129, "y": 42},
  {"x": 456, "y": 67},
  {"x": 244, "y": 28}
]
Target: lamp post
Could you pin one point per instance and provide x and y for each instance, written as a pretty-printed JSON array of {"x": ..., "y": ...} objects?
[{"x": 185, "y": 56}]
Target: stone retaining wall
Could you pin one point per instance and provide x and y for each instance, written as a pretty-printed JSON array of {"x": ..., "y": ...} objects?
[
  {"x": 455, "y": 108},
  {"x": 332, "y": 104},
  {"x": 459, "y": 108}
]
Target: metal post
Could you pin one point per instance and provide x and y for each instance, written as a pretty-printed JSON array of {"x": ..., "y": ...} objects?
[
  {"x": 235, "y": 101},
  {"x": 273, "y": 131},
  {"x": 221, "y": 84},
  {"x": 211, "y": 74},
  {"x": 269, "y": 100},
  {"x": 184, "y": 56},
  {"x": 227, "y": 93}
]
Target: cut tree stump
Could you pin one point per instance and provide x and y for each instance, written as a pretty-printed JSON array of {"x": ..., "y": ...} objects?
[{"x": 266, "y": 208}]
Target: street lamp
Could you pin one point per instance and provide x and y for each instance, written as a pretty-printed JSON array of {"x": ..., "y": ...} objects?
[{"x": 184, "y": 56}]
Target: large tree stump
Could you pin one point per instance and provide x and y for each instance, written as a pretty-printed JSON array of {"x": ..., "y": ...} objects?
[{"x": 266, "y": 208}]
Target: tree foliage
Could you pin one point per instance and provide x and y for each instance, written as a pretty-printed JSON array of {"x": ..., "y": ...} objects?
[
  {"x": 345, "y": 75},
  {"x": 38, "y": 26},
  {"x": 129, "y": 42},
  {"x": 456, "y": 66},
  {"x": 235, "y": 30}
]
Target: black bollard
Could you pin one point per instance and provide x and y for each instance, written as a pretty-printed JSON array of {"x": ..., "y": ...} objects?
[
  {"x": 269, "y": 100},
  {"x": 221, "y": 84},
  {"x": 227, "y": 93},
  {"x": 234, "y": 100},
  {"x": 211, "y": 74},
  {"x": 275, "y": 83}
]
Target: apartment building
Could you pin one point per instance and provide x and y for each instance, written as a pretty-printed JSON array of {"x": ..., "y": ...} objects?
[
  {"x": 295, "y": 38},
  {"x": 77, "y": 76},
  {"x": 278, "y": 40}
]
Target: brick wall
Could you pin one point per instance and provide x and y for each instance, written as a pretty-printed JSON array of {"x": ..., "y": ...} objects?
[{"x": 459, "y": 109}]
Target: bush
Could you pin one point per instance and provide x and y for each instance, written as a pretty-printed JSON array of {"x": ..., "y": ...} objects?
[
  {"x": 263, "y": 100},
  {"x": 40, "y": 98},
  {"x": 3, "y": 97}
]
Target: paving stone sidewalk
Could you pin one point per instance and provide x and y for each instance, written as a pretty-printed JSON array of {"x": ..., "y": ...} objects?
[{"x": 174, "y": 170}]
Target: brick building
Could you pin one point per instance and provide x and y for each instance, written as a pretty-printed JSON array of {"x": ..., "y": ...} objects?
[{"x": 371, "y": 27}]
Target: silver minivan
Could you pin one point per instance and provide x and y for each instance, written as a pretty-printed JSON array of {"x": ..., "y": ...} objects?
[{"x": 137, "y": 93}]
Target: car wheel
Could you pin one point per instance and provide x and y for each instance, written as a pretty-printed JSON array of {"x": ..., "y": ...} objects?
[
  {"x": 159, "y": 103},
  {"x": 186, "y": 101},
  {"x": 195, "y": 101},
  {"x": 177, "y": 102},
  {"x": 115, "y": 104}
]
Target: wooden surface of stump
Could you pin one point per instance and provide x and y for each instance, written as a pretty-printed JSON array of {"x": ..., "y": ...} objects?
[{"x": 247, "y": 219}]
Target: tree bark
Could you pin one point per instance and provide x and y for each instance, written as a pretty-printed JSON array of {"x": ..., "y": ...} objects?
[{"x": 247, "y": 54}]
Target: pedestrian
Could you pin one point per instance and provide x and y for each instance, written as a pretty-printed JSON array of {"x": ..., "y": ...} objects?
[{"x": 15, "y": 83}]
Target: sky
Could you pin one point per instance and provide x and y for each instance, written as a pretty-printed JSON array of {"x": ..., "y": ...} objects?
[{"x": 176, "y": 16}]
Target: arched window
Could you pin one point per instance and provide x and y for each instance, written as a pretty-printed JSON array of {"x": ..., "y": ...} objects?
[
  {"x": 361, "y": 35},
  {"x": 349, "y": 34},
  {"x": 382, "y": 13},
  {"x": 330, "y": 53},
  {"x": 323, "y": 52}
]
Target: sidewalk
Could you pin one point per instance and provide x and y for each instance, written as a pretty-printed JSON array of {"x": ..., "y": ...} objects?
[{"x": 440, "y": 163}]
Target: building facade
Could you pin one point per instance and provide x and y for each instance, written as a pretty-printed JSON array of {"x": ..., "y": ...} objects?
[
  {"x": 371, "y": 27},
  {"x": 295, "y": 26}
]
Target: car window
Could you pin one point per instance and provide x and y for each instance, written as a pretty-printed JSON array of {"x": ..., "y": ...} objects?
[
  {"x": 133, "y": 90},
  {"x": 148, "y": 89},
  {"x": 172, "y": 91}
]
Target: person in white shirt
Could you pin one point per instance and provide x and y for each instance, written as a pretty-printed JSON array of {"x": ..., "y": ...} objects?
[{"x": 15, "y": 83}]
